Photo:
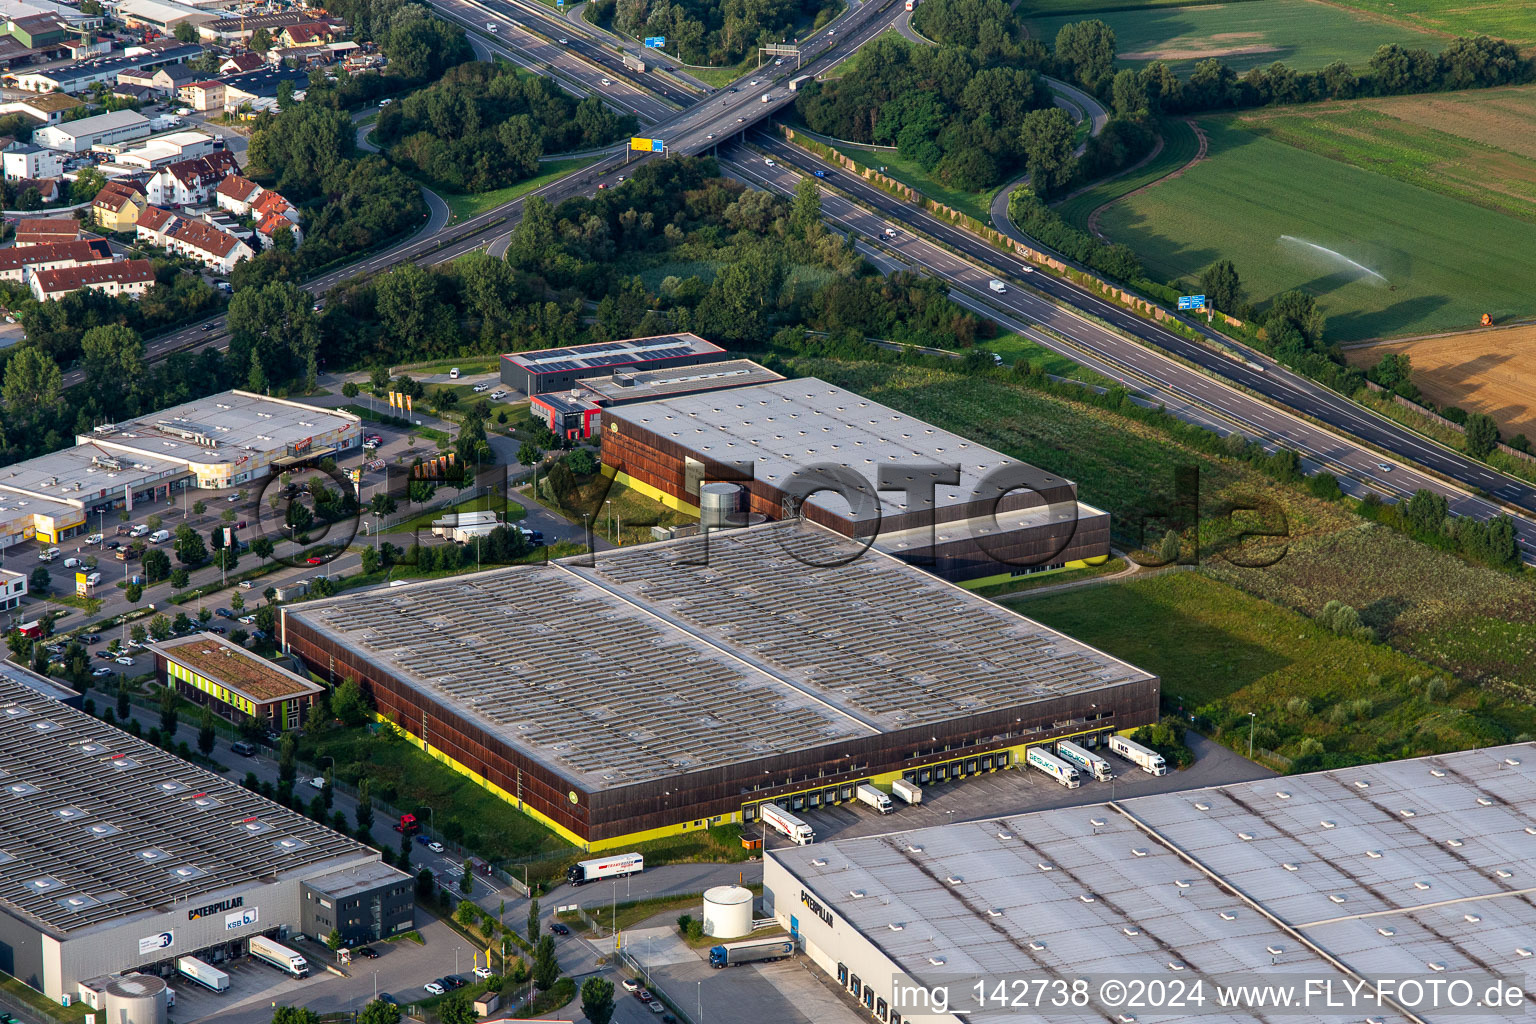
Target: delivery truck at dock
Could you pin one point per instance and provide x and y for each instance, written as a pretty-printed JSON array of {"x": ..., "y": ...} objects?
[
  {"x": 911, "y": 792},
  {"x": 204, "y": 974},
  {"x": 279, "y": 956},
  {"x": 792, "y": 827},
  {"x": 734, "y": 953},
  {"x": 868, "y": 794},
  {"x": 1149, "y": 761},
  {"x": 1084, "y": 760},
  {"x": 1047, "y": 762},
  {"x": 616, "y": 866}
]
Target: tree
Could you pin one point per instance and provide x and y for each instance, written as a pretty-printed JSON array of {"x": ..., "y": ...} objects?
[
  {"x": 295, "y": 1015},
  {"x": 349, "y": 390},
  {"x": 169, "y": 713},
  {"x": 112, "y": 357},
  {"x": 1087, "y": 49},
  {"x": 287, "y": 751},
  {"x": 597, "y": 1000},
  {"x": 546, "y": 969},
  {"x": 1048, "y": 138},
  {"x": 122, "y": 701},
  {"x": 334, "y": 940},
  {"x": 1482, "y": 435},
  {"x": 180, "y": 577},
  {"x": 805, "y": 215},
  {"x": 262, "y": 548},
  {"x": 160, "y": 627},
  {"x": 38, "y": 581},
  {"x": 261, "y": 41},
  {"x": 237, "y": 602},
  {"x": 190, "y": 549},
  {"x": 456, "y": 1009},
  {"x": 533, "y": 920},
  {"x": 529, "y": 453},
  {"x": 1223, "y": 290},
  {"x": 1297, "y": 310},
  {"x": 467, "y": 880},
  {"x": 379, "y": 1012},
  {"x": 138, "y": 633},
  {"x": 350, "y": 704},
  {"x": 186, "y": 32},
  {"x": 1129, "y": 92},
  {"x": 33, "y": 384},
  {"x": 364, "y": 812},
  {"x": 206, "y": 736},
  {"x": 157, "y": 565},
  {"x": 134, "y": 592}
]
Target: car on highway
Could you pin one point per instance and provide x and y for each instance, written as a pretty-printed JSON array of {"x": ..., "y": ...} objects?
[
  {"x": 125, "y": 660},
  {"x": 434, "y": 988},
  {"x": 769, "y": 162},
  {"x": 606, "y": 82},
  {"x": 564, "y": 41},
  {"x": 753, "y": 82},
  {"x": 602, "y": 185},
  {"x": 710, "y": 135},
  {"x": 741, "y": 120},
  {"x": 208, "y": 327},
  {"x": 821, "y": 174},
  {"x": 1384, "y": 467}
]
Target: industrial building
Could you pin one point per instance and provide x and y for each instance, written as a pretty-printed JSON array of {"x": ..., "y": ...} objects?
[
  {"x": 100, "y": 130},
  {"x": 224, "y": 440},
  {"x": 1409, "y": 869},
  {"x": 118, "y": 856},
  {"x": 557, "y": 369},
  {"x": 957, "y": 508},
  {"x": 679, "y": 685},
  {"x": 238, "y": 685},
  {"x": 577, "y": 413}
]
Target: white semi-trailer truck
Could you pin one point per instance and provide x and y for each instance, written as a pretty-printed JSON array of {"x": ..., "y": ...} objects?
[
  {"x": 911, "y": 792},
  {"x": 1148, "y": 761},
  {"x": 204, "y": 974},
  {"x": 792, "y": 827},
  {"x": 868, "y": 794},
  {"x": 615, "y": 866},
  {"x": 1055, "y": 767},
  {"x": 279, "y": 956},
  {"x": 1084, "y": 760}
]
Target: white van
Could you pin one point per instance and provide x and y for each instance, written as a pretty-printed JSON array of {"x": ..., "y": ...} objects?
[
  {"x": 48, "y": 554},
  {"x": 160, "y": 536},
  {"x": 767, "y": 96},
  {"x": 93, "y": 579},
  {"x": 997, "y": 286},
  {"x": 138, "y": 531},
  {"x": 70, "y": 563},
  {"x": 453, "y": 374}
]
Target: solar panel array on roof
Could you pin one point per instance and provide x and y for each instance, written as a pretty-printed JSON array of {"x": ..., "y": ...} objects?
[
  {"x": 611, "y": 353},
  {"x": 100, "y": 825}
]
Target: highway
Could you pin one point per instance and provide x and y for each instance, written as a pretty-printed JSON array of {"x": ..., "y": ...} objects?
[{"x": 1112, "y": 353}]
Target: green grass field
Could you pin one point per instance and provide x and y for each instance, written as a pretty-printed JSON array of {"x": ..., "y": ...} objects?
[
  {"x": 1179, "y": 147},
  {"x": 909, "y": 172},
  {"x": 467, "y": 206},
  {"x": 1303, "y": 33},
  {"x": 1514, "y": 20},
  {"x": 1046, "y": 8},
  {"x": 1293, "y": 219},
  {"x": 1478, "y": 145}
]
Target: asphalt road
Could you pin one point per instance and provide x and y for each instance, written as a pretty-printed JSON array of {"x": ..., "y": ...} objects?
[{"x": 1142, "y": 359}]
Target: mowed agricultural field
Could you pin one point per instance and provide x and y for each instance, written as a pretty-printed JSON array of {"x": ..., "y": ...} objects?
[
  {"x": 1514, "y": 20},
  {"x": 1305, "y": 34},
  {"x": 1489, "y": 371},
  {"x": 1478, "y": 145},
  {"x": 1383, "y": 257}
]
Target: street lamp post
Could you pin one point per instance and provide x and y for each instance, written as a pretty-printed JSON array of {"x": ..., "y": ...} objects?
[{"x": 1251, "y": 719}]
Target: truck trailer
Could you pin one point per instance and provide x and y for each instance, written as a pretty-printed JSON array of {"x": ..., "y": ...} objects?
[
  {"x": 1084, "y": 760},
  {"x": 1053, "y": 766},
  {"x": 792, "y": 827},
  {"x": 733, "y": 953},
  {"x": 868, "y": 794},
  {"x": 204, "y": 974},
  {"x": 616, "y": 866},
  {"x": 279, "y": 956},
  {"x": 911, "y": 792},
  {"x": 1148, "y": 761}
]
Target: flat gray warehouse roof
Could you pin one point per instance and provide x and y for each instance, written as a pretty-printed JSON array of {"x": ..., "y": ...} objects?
[
  {"x": 1407, "y": 868},
  {"x": 793, "y": 425},
  {"x": 100, "y": 826},
  {"x": 648, "y": 664}
]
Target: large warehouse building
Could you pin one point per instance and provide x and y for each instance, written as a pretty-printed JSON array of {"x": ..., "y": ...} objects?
[
  {"x": 682, "y": 684},
  {"x": 1418, "y": 869},
  {"x": 958, "y": 508},
  {"x": 225, "y": 440},
  {"x": 555, "y": 369},
  {"x": 120, "y": 857}
]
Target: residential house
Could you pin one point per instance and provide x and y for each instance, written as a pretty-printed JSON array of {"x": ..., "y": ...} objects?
[
  {"x": 187, "y": 182},
  {"x": 204, "y": 95},
  {"x": 218, "y": 250},
  {"x": 48, "y": 108},
  {"x": 20, "y": 264},
  {"x": 154, "y": 226},
  {"x": 117, "y": 206},
  {"x": 301, "y": 56},
  {"x": 125, "y": 277},
  {"x": 307, "y": 33},
  {"x": 39, "y": 230},
  {"x": 136, "y": 93},
  {"x": 270, "y": 202},
  {"x": 270, "y": 224},
  {"x": 165, "y": 81},
  {"x": 237, "y": 195},
  {"x": 24, "y": 160},
  {"x": 240, "y": 63},
  {"x": 48, "y": 191}
]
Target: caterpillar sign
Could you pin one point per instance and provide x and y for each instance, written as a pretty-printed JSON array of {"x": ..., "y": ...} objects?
[{"x": 647, "y": 145}]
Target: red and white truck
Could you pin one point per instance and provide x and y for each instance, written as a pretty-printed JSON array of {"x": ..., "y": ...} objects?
[{"x": 616, "y": 865}]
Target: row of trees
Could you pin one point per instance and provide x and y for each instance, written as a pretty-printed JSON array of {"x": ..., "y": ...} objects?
[
  {"x": 484, "y": 126},
  {"x": 713, "y": 32}
]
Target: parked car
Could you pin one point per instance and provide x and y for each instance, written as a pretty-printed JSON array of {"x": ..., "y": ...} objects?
[
  {"x": 385, "y": 997},
  {"x": 656, "y": 1007},
  {"x": 434, "y": 846},
  {"x": 95, "y": 538},
  {"x": 102, "y": 671},
  {"x": 631, "y": 984},
  {"x": 434, "y": 988},
  {"x": 366, "y": 952},
  {"x": 315, "y": 560},
  {"x": 125, "y": 661},
  {"x": 224, "y": 613},
  {"x": 558, "y": 928},
  {"x": 246, "y": 585},
  {"x": 454, "y": 981},
  {"x": 243, "y": 748},
  {"x": 496, "y": 395},
  {"x": 318, "y": 782}
]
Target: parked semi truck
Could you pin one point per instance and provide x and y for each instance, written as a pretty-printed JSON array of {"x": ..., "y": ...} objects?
[
  {"x": 279, "y": 956},
  {"x": 1053, "y": 766},
  {"x": 733, "y": 953},
  {"x": 1148, "y": 761},
  {"x": 792, "y": 827},
  {"x": 204, "y": 974},
  {"x": 616, "y": 866},
  {"x": 911, "y": 792},
  {"x": 1084, "y": 760},
  {"x": 868, "y": 794}
]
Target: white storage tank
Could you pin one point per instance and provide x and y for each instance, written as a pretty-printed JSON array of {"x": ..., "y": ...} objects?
[
  {"x": 720, "y": 504},
  {"x": 136, "y": 999},
  {"x": 728, "y": 912}
]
